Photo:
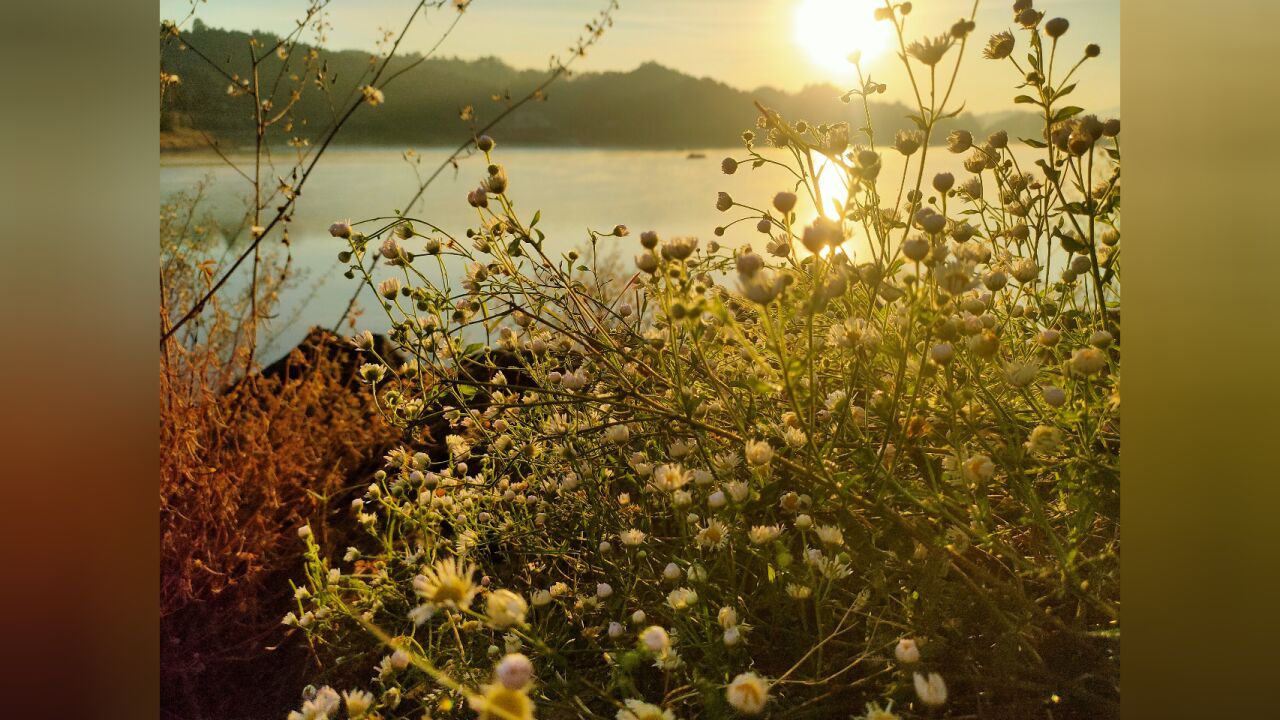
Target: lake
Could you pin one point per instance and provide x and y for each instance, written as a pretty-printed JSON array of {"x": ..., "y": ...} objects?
[{"x": 574, "y": 188}]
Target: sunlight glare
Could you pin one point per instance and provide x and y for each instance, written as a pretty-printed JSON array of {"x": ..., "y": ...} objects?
[{"x": 829, "y": 30}]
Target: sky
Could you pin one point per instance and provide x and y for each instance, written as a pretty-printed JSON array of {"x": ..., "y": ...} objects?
[{"x": 743, "y": 43}]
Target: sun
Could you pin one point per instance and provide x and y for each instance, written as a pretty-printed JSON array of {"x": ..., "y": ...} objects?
[{"x": 829, "y": 30}]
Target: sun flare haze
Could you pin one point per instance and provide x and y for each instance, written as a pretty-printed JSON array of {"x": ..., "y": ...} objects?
[{"x": 830, "y": 30}]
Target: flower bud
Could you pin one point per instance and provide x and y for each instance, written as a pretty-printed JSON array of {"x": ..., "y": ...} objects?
[
  {"x": 729, "y": 166},
  {"x": 943, "y": 181},
  {"x": 942, "y": 353},
  {"x": 785, "y": 202},
  {"x": 1056, "y": 27},
  {"x": 484, "y": 143},
  {"x": 647, "y": 262},
  {"x": 915, "y": 248},
  {"x": 1054, "y": 396},
  {"x": 723, "y": 201},
  {"x": 514, "y": 671},
  {"x": 998, "y": 139},
  {"x": 341, "y": 229}
]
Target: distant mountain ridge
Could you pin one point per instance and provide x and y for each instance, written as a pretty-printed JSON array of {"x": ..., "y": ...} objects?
[{"x": 650, "y": 106}]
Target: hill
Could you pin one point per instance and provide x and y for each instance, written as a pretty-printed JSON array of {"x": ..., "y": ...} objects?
[{"x": 650, "y": 106}]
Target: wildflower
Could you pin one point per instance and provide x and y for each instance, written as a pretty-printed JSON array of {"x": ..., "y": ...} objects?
[
  {"x": 716, "y": 500},
  {"x": 647, "y": 262},
  {"x": 999, "y": 46},
  {"x": 713, "y": 536},
  {"x": 723, "y": 201},
  {"x": 959, "y": 141},
  {"x": 1101, "y": 339},
  {"x": 638, "y": 710},
  {"x": 738, "y": 490},
  {"x": 358, "y": 702},
  {"x": 978, "y": 468},
  {"x": 1025, "y": 270},
  {"x": 341, "y": 229},
  {"x": 795, "y": 437},
  {"x": 498, "y": 702},
  {"x": 930, "y": 50},
  {"x": 323, "y": 705},
  {"x": 637, "y": 617},
  {"x": 617, "y": 434},
  {"x": 1044, "y": 439},
  {"x": 447, "y": 583},
  {"x": 758, "y": 452},
  {"x": 932, "y": 690},
  {"x": 631, "y": 537},
  {"x": 955, "y": 277},
  {"x": 908, "y": 141},
  {"x": 762, "y": 287},
  {"x": 748, "y": 693},
  {"x": 829, "y": 535},
  {"x": 682, "y": 598},
  {"x": 372, "y": 372},
  {"x": 762, "y": 534},
  {"x": 748, "y": 263},
  {"x": 604, "y": 590},
  {"x": 679, "y": 248},
  {"x": 505, "y": 609},
  {"x": 670, "y": 477},
  {"x": 803, "y": 522},
  {"x": 1020, "y": 374},
  {"x": 656, "y": 639},
  {"x": 907, "y": 651},
  {"x": 541, "y": 598},
  {"x": 671, "y": 572},
  {"x": 1087, "y": 361},
  {"x": 372, "y": 95},
  {"x": 389, "y": 288},
  {"x": 1029, "y": 18},
  {"x": 727, "y": 617},
  {"x": 799, "y": 592}
]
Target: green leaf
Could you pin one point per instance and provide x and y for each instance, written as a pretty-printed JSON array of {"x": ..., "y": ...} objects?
[
  {"x": 1026, "y": 100},
  {"x": 1064, "y": 91},
  {"x": 919, "y": 121},
  {"x": 754, "y": 384},
  {"x": 1069, "y": 111},
  {"x": 953, "y": 114},
  {"x": 536, "y": 217},
  {"x": 1034, "y": 143}
]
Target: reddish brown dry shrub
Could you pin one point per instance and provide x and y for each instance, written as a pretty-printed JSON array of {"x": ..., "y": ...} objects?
[{"x": 245, "y": 459}]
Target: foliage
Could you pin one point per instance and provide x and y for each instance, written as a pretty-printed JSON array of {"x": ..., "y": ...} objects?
[
  {"x": 244, "y": 459},
  {"x": 791, "y": 482}
]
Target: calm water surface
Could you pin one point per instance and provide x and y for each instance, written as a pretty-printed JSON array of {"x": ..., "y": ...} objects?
[{"x": 575, "y": 189}]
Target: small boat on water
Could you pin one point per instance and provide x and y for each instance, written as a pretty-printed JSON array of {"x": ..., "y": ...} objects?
[{"x": 695, "y": 156}]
